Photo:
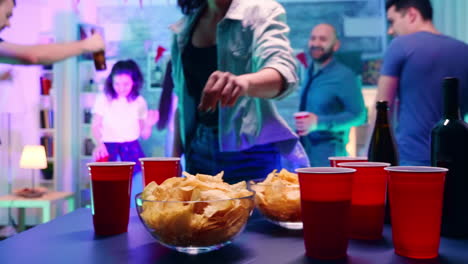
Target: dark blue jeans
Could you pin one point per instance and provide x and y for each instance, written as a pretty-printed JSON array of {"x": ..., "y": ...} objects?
[
  {"x": 318, "y": 151},
  {"x": 203, "y": 156},
  {"x": 127, "y": 151}
]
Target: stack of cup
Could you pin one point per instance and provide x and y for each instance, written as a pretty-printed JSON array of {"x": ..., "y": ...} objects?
[
  {"x": 111, "y": 183},
  {"x": 325, "y": 202},
  {"x": 368, "y": 199}
]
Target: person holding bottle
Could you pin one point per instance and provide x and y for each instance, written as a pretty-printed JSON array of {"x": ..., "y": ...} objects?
[
  {"x": 414, "y": 67},
  {"x": 121, "y": 117},
  {"x": 332, "y": 99},
  {"x": 229, "y": 59},
  {"x": 44, "y": 54}
]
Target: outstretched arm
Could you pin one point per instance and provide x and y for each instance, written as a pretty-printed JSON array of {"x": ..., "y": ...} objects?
[
  {"x": 96, "y": 129},
  {"x": 226, "y": 87},
  {"x": 48, "y": 53}
]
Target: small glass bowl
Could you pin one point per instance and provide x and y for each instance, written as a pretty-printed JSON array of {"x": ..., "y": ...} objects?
[
  {"x": 195, "y": 227},
  {"x": 280, "y": 204}
]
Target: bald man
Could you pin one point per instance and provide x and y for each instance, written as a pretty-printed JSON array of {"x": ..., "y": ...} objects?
[{"x": 332, "y": 97}]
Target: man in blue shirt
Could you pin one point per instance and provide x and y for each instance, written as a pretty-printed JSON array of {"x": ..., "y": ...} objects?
[
  {"x": 331, "y": 96},
  {"x": 414, "y": 67}
]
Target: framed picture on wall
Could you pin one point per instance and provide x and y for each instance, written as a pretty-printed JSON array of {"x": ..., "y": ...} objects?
[{"x": 156, "y": 61}]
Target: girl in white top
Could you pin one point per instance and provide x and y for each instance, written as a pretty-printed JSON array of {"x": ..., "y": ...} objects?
[{"x": 121, "y": 116}]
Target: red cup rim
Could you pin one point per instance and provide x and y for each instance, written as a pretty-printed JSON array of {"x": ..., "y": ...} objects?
[
  {"x": 159, "y": 159},
  {"x": 364, "y": 164},
  {"x": 111, "y": 163},
  {"x": 325, "y": 170},
  {"x": 346, "y": 158},
  {"x": 415, "y": 169}
]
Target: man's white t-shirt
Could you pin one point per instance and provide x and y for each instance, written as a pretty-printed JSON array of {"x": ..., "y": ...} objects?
[{"x": 120, "y": 118}]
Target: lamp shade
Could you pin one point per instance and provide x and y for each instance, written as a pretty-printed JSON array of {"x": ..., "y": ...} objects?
[{"x": 33, "y": 157}]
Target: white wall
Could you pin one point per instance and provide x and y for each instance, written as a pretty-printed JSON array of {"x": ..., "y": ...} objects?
[
  {"x": 450, "y": 17},
  {"x": 22, "y": 96}
]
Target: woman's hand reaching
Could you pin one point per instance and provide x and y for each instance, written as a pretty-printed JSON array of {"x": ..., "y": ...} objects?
[
  {"x": 100, "y": 152},
  {"x": 223, "y": 87}
]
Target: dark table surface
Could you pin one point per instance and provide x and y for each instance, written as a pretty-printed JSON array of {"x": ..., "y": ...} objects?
[{"x": 70, "y": 239}]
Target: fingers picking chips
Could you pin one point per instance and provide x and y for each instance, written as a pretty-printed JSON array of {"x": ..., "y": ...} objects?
[{"x": 197, "y": 210}]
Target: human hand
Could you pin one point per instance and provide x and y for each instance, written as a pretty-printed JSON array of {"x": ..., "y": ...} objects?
[
  {"x": 223, "y": 87},
  {"x": 307, "y": 124},
  {"x": 93, "y": 43},
  {"x": 100, "y": 152},
  {"x": 4, "y": 76},
  {"x": 152, "y": 117}
]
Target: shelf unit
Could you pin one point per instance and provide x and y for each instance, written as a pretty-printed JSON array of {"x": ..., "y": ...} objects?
[{"x": 47, "y": 130}]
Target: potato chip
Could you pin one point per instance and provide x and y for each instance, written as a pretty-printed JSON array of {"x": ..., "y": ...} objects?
[
  {"x": 278, "y": 196},
  {"x": 196, "y": 210}
]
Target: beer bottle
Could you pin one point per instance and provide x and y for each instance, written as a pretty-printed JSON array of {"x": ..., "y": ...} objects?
[{"x": 382, "y": 147}]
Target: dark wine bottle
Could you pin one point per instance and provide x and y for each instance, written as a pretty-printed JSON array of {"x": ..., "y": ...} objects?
[
  {"x": 449, "y": 149},
  {"x": 99, "y": 60},
  {"x": 382, "y": 147}
]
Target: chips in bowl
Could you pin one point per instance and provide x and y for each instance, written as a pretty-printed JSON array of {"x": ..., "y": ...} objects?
[
  {"x": 195, "y": 213},
  {"x": 278, "y": 198}
]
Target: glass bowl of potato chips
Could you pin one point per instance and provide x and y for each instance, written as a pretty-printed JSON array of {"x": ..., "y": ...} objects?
[
  {"x": 278, "y": 198},
  {"x": 196, "y": 213}
]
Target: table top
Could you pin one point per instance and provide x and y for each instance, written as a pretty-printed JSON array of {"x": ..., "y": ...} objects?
[
  {"x": 70, "y": 239},
  {"x": 48, "y": 196}
]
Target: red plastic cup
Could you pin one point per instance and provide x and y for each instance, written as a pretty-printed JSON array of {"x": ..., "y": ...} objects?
[
  {"x": 103, "y": 159},
  {"x": 416, "y": 196},
  {"x": 325, "y": 203},
  {"x": 368, "y": 199},
  {"x": 159, "y": 169},
  {"x": 300, "y": 115},
  {"x": 338, "y": 159},
  {"x": 110, "y": 195}
]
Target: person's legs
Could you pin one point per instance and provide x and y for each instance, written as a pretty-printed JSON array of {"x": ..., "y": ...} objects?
[
  {"x": 200, "y": 156},
  {"x": 254, "y": 163},
  {"x": 319, "y": 152},
  {"x": 132, "y": 151},
  {"x": 112, "y": 150},
  {"x": 203, "y": 156}
]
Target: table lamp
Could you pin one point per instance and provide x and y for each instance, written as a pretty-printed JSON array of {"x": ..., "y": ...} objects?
[{"x": 33, "y": 157}]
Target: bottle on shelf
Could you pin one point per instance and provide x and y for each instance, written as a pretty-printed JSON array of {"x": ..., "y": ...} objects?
[
  {"x": 449, "y": 149},
  {"x": 382, "y": 147},
  {"x": 88, "y": 147},
  {"x": 48, "y": 142},
  {"x": 46, "y": 118}
]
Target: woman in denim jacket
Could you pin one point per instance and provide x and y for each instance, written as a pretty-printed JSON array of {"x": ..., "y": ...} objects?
[{"x": 229, "y": 58}]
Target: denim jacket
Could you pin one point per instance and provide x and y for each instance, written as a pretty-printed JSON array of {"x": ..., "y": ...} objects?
[{"x": 251, "y": 36}]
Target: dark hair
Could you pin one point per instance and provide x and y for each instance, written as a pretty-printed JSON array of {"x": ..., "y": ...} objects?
[
  {"x": 188, "y": 6},
  {"x": 166, "y": 99},
  {"x": 423, "y": 6},
  {"x": 125, "y": 67}
]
